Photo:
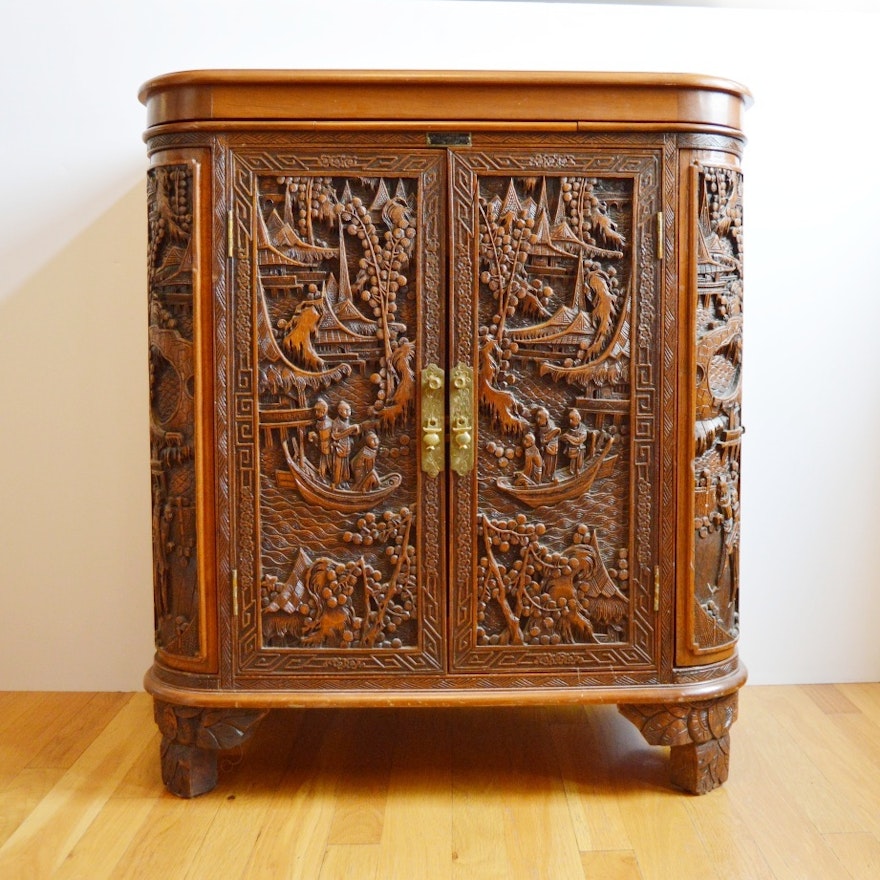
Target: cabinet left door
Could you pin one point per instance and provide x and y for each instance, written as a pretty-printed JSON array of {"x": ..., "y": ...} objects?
[{"x": 334, "y": 309}]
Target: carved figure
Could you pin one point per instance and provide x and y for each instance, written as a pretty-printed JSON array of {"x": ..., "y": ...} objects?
[
  {"x": 363, "y": 465},
  {"x": 321, "y": 436},
  {"x": 575, "y": 439},
  {"x": 728, "y": 504},
  {"x": 162, "y": 516},
  {"x": 341, "y": 432},
  {"x": 547, "y": 436},
  {"x": 533, "y": 467}
]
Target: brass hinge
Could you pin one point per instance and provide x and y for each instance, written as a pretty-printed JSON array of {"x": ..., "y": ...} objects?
[
  {"x": 230, "y": 235},
  {"x": 235, "y": 592},
  {"x": 656, "y": 587},
  {"x": 660, "y": 237}
]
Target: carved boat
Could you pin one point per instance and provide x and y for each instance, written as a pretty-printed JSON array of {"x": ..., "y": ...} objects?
[
  {"x": 542, "y": 494},
  {"x": 303, "y": 476}
]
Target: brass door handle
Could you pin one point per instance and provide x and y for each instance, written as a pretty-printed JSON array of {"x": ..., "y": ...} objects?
[
  {"x": 433, "y": 412},
  {"x": 461, "y": 419}
]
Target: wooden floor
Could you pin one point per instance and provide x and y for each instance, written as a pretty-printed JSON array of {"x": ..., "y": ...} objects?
[{"x": 431, "y": 793}]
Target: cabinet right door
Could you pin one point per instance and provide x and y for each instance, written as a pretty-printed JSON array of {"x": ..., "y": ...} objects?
[
  {"x": 557, "y": 290},
  {"x": 713, "y": 267}
]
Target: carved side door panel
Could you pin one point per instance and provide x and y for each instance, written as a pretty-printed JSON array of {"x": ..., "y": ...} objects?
[
  {"x": 715, "y": 272},
  {"x": 336, "y": 302},
  {"x": 556, "y": 292},
  {"x": 180, "y": 436}
]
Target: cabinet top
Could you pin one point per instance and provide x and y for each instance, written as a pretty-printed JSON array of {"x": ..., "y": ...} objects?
[{"x": 229, "y": 99}]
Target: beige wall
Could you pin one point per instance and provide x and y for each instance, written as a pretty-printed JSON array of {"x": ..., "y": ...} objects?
[{"x": 75, "y": 577}]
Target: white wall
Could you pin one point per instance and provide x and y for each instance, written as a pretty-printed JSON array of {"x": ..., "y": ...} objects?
[{"x": 75, "y": 588}]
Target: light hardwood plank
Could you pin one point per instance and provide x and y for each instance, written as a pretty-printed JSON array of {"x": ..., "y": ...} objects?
[
  {"x": 18, "y": 705},
  {"x": 71, "y": 739},
  {"x": 22, "y": 794},
  {"x": 789, "y": 841},
  {"x": 41, "y": 843},
  {"x": 246, "y": 796},
  {"x": 830, "y": 699},
  {"x": 858, "y": 853},
  {"x": 664, "y": 839},
  {"x": 144, "y": 777},
  {"x": 359, "y": 813},
  {"x": 40, "y": 718},
  {"x": 538, "y": 830},
  {"x": 98, "y": 853},
  {"x": 417, "y": 834},
  {"x": 610, "y": 865},
  {"x": 840, "y": 747},
  {"x": 866, "y": 697},
  {"x": 565, "y": 792},
  {"x": 727, "y": 838},
  {"x": 297, "y": 822},
  {"x": 479, "y": 796},
  {"x": 168, "y": 840},
  {"x": 771, "y": 720},
  {"x": 855, "y": 765},
  {"x": 589, "y": 784},
  {"x": 351, "y": 862}
]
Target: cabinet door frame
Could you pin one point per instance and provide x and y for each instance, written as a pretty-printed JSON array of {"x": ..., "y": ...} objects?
[
  {"x": 639, "y": 653},
  {"x": 250, "y": 159}
]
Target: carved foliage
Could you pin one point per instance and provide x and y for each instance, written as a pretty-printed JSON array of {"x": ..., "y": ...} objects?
[
  {"x": 205, "y": 728},
  {"x": 352, "y": 604},
  {"x": 191, "y": 738},
  {"x": 699, "y": 734},
  {"x": 538, "y": 597},
  {"x": 718, "y": 429},
  {"x": 172, "y": 417}
]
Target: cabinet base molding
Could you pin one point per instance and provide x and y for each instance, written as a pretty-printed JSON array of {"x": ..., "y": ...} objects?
[{"x": 196, "y": 725}]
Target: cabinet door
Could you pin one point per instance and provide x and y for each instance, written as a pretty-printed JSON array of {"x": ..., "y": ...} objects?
[
  {"x": 180, "y": 407},
  {"x": 709, "y": 541},
  {"x": 556, "y": 303},
  {"x": 334, "y": 311}
]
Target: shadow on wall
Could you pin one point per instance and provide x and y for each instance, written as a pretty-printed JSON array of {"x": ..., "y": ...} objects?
[{"x": 75, "y": 608}]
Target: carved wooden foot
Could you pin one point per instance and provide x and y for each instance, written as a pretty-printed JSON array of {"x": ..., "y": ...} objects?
[
  {"x": 698, "y": 734},
  {"x": 191, "y": 738}
]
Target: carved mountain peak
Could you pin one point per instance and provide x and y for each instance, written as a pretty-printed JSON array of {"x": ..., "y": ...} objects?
[
  {"x": 511, "y": 206},
  {"x": 282, "y": 235},
  {"x": 382, "y": 196}
]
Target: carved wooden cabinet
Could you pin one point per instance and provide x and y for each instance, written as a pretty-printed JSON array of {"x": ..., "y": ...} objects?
[{"x": 445, "y": 399}]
